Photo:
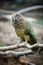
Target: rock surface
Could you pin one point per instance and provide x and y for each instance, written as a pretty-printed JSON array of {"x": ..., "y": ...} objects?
[{"x": 7, "y": 34}]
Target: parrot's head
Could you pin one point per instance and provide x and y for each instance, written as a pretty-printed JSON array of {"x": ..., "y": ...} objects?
[{"x": 17, "y": 18}]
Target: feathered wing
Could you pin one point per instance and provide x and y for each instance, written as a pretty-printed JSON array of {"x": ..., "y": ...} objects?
[{"x": 30, "y": 32}]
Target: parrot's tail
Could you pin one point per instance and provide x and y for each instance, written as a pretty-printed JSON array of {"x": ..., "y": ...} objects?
[{"x": 33, "y": 40}]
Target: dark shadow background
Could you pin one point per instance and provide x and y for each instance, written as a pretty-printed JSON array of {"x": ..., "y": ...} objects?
[{"x": 18, "y": 4}]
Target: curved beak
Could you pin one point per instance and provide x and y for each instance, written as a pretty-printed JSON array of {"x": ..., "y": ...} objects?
[{"x": 14, "y": 19}]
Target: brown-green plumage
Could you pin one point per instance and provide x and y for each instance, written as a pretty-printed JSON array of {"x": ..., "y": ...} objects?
[{"x": 25, "y": 31}]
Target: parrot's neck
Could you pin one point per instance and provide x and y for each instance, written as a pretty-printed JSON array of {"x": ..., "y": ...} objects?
[{"x": 19, "y": 25}]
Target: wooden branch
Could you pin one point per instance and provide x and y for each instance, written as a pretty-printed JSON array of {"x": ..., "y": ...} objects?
[
  {"x": 35, "y": 45},
  {"x": 11, "y": 47},
  {"x": 6, "y": 51},
  {"x": 10, "y": 53},
  {"x": 21, "y": 45},
  {"x": 40, "y": 45},
  {"x": 19, "y": 12},
  {"x": 6, "y": 11}
]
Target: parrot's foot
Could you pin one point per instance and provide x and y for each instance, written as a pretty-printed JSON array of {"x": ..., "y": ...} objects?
[
  {"x": 18, "y": 44},
  {"x": 27, "y": 45}
]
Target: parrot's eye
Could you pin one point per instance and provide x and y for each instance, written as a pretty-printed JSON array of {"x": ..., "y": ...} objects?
[{"x": 17, "y": 17}]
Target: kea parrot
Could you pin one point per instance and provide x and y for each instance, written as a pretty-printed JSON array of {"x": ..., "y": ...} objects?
[{"x": 24, "y": 29}]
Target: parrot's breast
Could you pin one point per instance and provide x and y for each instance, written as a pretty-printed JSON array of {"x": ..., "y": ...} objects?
[{"x": 20, "y": 30}]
